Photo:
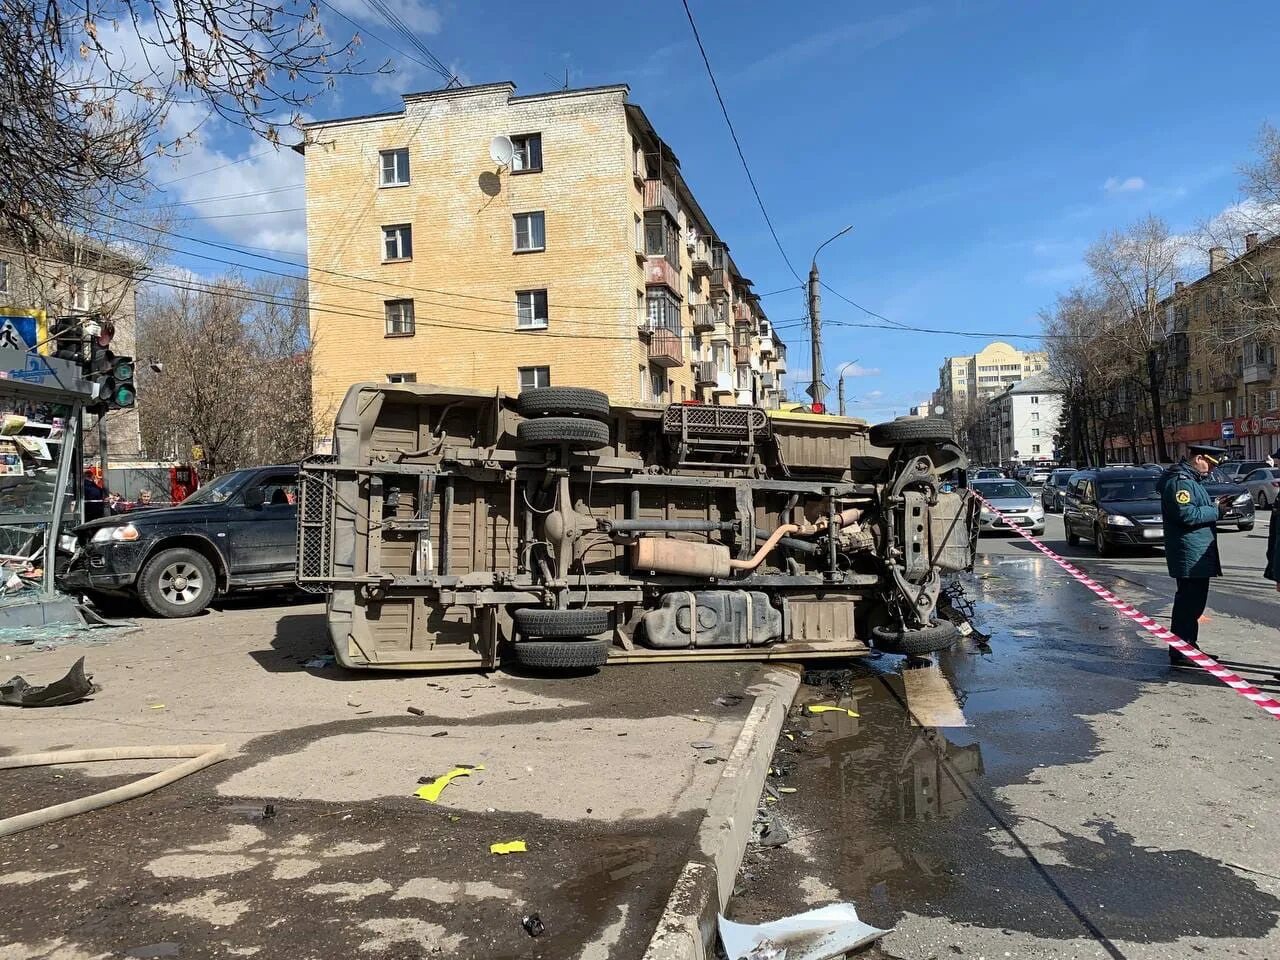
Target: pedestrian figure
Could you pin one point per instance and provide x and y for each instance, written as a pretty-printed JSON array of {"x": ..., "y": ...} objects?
[
  {"x": 1272, "y": 572},
  {"x": 1190, "y": 539}
]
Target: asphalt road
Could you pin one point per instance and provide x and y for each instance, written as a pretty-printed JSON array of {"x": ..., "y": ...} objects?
[{"x": 1098, "y": 804}]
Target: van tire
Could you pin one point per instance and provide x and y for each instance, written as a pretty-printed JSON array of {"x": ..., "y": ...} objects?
[
  {"x": 913, "y": 643},
  {"x": 541, "y": 622},
  {"x": 563, "y": 402},
  {"x": 571, "y": 431},
  {"x": 561, "y": 654},
  {"x": 912, "y": 430}
]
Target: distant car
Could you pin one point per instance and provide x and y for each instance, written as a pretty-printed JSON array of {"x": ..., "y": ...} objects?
[
  {"x": 986, "y": 473},
  {"x": 1037, "y": 476},
  {"x": 1051, "y": 494},
  {"x": 1235, "y": 470},
  {"x": 1263, "y": 486},
  {"x": 238, "y": 532},
  {"x": 1239, "y": 509},
  {"x": 1113, "y": 506},
  {"x": 1014, "y": 501}
]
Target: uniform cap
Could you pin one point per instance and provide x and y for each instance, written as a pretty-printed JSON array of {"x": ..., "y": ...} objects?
[{"x": 1208, "y": 451}]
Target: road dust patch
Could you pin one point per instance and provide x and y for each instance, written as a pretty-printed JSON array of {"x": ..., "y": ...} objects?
[
  {"x": 353, "y": 848},
  {"x": 293, "y": 868},
  {"x": 448, "y": 891},
  {"x": 240, "y": 837},
  {"x": 817, "y": 891},
  {"x": 20, "y": 878},
  {"x": 602, "y": 947},
  {"x": 210, "y": 906},
  {"x": 391, "y": 931},
  {"x": 47, "y": 950},
  {"x": 350, "y": 892},
  {"x": 198, "y": 866}
]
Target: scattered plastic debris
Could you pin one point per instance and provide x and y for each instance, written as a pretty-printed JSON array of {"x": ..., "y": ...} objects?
[
  {"x": 821, "y": 934},
  {"x": 320, "y": 663},
  {"x": 431, "y": 791},
  {"x": 773, "y": 833},
  {"x": 786, "y": 789},
  {"x": 728, "y": 700},
  {"x": 702, "y": 745},
  {"x": 534, "y": 925},
  {"x": 826, "y": 708},
  {"x": 510, "y": 846},
  {"x": 156, "y": 706},
  {"x": 417, "y": 711},
  {"x": 440, "y": 733},
  {"x": 76, "y": 685}
]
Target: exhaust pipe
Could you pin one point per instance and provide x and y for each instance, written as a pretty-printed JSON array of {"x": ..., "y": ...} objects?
[{"x": 699, "y": 559}]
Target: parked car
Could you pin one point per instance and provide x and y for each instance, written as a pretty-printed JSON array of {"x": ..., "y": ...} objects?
[
  {"x": 1236, "y": 470},
  {"x": 1239, "y": 511},
  {"x": 1113, "y": 506},
  {"x": 235, "y": 533},
  {"x": 986, "y": 473},
  {"x": 1037, "y": 476},
  {"x": 1263, "y": 486},
  {"x": 1014, "y": 501},
  {"x": 1054, "y": 486}
]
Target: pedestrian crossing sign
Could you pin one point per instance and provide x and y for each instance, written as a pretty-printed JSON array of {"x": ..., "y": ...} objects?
[{"x": 22, "y": 328}]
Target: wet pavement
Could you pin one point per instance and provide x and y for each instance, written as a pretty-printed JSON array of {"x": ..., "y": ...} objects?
[{"x": 1097, "y": 804}]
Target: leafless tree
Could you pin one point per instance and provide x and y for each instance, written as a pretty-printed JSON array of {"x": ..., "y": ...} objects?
[
  {"x": 1135, "y": 268},
  {"x": 88, "y": 86},
  {"x": 236, "y": 380}
]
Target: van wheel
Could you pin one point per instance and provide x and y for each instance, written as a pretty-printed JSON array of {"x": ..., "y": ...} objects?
[
  {"x": 1101, "y": 545},
  {"x": 913, "y": 643},
  {"x": 561, "y": 654},
  {"x": 563, "y": 402},
  {"x": 912, "y": 430},
  {"x": 575, "y": 433},
  {"x": 1073, "y": 539},
  {"x": 541, "y": 622},
  {"x": 178, "y": 582}
]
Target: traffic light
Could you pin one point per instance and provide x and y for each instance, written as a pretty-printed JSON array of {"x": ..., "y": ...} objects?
[{"x": 117, "y": 388}]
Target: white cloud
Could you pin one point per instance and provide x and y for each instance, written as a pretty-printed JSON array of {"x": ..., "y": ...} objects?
[
  {"x": 418, "y": 16},
  {"x": 1127, "y": 185},
  {"x": 858, "y": 370},
  {"x": 845, "y": 41},
  {"x": 875, "y": 394}
]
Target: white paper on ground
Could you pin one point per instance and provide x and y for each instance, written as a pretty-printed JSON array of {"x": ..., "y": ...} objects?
[{"x": 821, "y": 934}]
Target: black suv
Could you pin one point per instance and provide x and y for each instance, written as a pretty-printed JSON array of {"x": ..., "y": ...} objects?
[
  {"x": 237, "y": 532},
  {"x": 1113, "y": 507}
]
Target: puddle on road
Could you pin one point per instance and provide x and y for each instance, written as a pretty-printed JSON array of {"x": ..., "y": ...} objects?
[{"x": 908, "y": 820}]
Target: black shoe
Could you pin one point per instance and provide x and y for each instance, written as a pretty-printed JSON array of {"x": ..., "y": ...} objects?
[{"x": 1178, "y": 660}]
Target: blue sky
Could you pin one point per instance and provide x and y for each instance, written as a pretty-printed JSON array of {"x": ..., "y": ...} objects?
[{"x": 977, "y": 148}]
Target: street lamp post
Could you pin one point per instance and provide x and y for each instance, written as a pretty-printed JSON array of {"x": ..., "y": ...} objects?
[
  {"x": 817, "y": 389},
  {"x": 840, "y": 383}
]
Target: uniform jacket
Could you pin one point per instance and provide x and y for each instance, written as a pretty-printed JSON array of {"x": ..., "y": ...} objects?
[
  {"x": 1273, "y": 551},
  {"x": 1190, "y": 515}
]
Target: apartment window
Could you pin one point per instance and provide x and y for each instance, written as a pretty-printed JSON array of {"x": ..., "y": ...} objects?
[
  {"x": 1213, "y": 410},
  {"x": 639, "y": 235},
  {"x": 662, "y": 238},
  {"x": 1199, "y": 413},
  {"x": 1035, "y": 415},
  {"x": 1035, "y": 448},
  {"x": 531, "y": 309},
  {"x": 644, "y": 383},
  {"x": 397, "y": 242},
  {"x": 402, "y": 378},
  {"x": 528, "y": 153},
  {"x": 531, "y": 231},
  {"x": 1035, "y": 400},
  {"x": 1271, "y": 400},
  {"x": 1255, "y": 403},
  {"x": 664, "y": 311},
  {"x": 399, "y": 315},
  {"x": 1226, "y": 408},
  {"x": 1199, "y": 379},
  {"x": 393, "y": 168},
  {"x": 657, "y": 383},
  {"x": 533, "y": 377},
  {"x": 1035, "y": 431},
  {"x": 4, "y": 276}
]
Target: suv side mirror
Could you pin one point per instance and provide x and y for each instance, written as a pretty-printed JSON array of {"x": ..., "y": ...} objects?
[{"x": 254, "y": 498}]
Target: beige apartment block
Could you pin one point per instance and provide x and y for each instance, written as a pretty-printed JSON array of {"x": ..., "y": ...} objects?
[
  {"x": 963, "y": 381},
  {"x": 582, "y": 260}
]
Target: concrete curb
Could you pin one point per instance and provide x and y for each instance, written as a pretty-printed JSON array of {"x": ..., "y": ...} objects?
[{"x": 687, "y": 928}]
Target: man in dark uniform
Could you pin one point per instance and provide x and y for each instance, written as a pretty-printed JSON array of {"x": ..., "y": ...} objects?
[{"x": 1190, "y": 539}]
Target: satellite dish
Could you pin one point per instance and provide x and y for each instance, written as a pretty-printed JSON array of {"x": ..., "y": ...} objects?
[{"x": 501, "y": 150}]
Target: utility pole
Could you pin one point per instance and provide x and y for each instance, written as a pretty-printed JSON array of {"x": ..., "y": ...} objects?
[{"x": 817, "y": 389}]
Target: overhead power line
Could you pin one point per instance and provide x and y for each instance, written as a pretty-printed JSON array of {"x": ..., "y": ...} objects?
[
  {"x": 382, "y": 40},
  {"x": 733, "y": 133}
]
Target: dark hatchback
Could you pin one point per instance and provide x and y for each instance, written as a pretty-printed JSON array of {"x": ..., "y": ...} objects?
[
  {"x": 237, "y": 532},
  {"x": 1113, "y": 507}
]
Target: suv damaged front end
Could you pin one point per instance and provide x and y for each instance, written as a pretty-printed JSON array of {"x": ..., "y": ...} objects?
[{"x": 454, "y": 527}]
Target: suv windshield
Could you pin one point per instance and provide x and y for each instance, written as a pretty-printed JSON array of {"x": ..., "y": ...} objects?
[
  {"x": 218, "y": 490},
  {"x": 1139, "y": 488},
  {"x": 1001, "y": 489}
]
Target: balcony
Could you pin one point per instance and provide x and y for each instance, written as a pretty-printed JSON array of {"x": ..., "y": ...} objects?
[
  {"x": 666, "y": 348},
  {"x": 659, "y": 196},
  {"x": 780, "y": 361},
  {"x": 1222, "y": 381},
  {"x": 701, "y": 261},
  {"x": 724, "y": 383},
  {"x": 719, "y": 278},
  {"x": 1259, "y": 373},
  {"x": 742, "y": 312},
  {"x": 658, "y": 271},
  {"x": 766, "y": 346},
  {"x": 742, "y": 356},
  {"x": 704, "y": 373},
  {"x": 706, "y": 317},
  {"x": 768, "y": 381}
]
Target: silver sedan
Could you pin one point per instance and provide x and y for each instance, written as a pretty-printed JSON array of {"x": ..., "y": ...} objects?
[
  {"x": 1263, "y": 486},
  {"x": 1018, "y": 508}
]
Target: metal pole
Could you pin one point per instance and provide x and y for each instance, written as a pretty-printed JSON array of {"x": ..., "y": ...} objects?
[
  {"x": 102, "y": 450},
  {"x": 70, "y": 443},
  {"x": 840, "y": 393},
  {"x": 817, "y": 389}
]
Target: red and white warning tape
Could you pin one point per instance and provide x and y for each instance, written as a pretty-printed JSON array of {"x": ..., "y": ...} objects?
[{"x": 1235, "y": 682}]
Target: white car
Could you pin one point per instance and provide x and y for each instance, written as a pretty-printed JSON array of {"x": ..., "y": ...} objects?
[{"x": 1263, "y": 486}]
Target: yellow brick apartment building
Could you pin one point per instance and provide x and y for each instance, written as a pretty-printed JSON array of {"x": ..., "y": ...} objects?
[{"x": 582, "y": 260}]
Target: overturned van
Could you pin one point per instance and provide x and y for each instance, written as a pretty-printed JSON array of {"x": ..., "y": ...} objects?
[{"x": 456, "y": 528}]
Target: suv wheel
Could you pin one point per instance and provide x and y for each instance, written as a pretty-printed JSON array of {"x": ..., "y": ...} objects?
[
  {"x": 178, "y": 582},
  {"x": 1101, "y": 546},
  {"x": 1073, "y": 538}
]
